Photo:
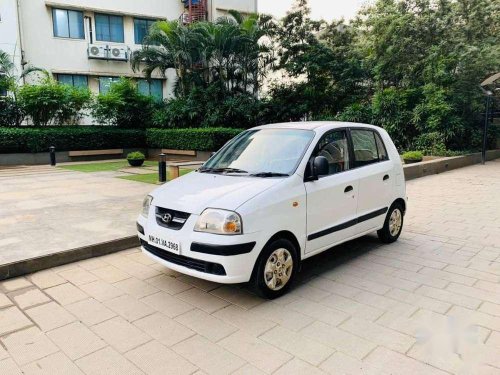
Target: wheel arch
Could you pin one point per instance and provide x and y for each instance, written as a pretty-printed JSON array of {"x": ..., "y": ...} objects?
[
  {"x": 402, "y": 202},
  {"x": 283, "y": 234}
]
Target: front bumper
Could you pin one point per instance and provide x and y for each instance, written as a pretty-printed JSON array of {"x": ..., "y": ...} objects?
[{"x": 217, "y": 258}]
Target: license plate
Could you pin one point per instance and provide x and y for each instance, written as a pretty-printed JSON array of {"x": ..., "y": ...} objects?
[{"x": 164, "y": 243}]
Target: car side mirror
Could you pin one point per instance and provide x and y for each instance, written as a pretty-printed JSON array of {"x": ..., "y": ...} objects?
[{"x": 320, "y": 166}]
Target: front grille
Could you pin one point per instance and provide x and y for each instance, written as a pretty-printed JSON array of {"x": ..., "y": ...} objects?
[
  {"x": 177, "y": 218},
  {"x": 194, "y": 264}
]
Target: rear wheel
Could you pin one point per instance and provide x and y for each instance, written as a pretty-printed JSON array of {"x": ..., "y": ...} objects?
[
  {"x": 393, "y": 224},
  {"x": 275, "y": 269}
]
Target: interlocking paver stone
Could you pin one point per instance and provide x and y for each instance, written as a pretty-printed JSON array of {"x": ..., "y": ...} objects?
[
  {"x": 427, "y": 304},
  {"x": 164, "y": 329},
  {"x": 50, "y": 316},
  {"x": 107, "y": 361},
  {"x": 56, "y": 363},
  {"x": 90, "y": 311},
  {"x": 76, "y": 340},
  {"x": 28, "y": 345},
  {"x": 211, "y": 358},
  {"x": 29, "y": 297},
  {"x": 12, "y": 319},
  {"x": 120, "y": 334},
  {"x": 155, "y": 359}
]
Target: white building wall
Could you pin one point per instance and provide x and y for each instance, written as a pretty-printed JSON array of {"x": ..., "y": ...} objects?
[{"x": 9, "y": 32}]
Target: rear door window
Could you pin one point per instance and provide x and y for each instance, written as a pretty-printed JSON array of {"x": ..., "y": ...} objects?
[{"x": 364, "y": 147}]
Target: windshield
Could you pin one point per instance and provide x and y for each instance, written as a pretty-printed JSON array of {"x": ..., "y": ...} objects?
[{"x": 262, "y": 152}]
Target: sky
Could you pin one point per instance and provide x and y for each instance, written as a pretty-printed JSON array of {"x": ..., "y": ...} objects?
[{"x": 326, "y": 9}]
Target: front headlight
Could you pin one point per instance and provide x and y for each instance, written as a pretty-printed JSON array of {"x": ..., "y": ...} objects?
[
  {"x": 219, "y": 222},
  {"x": 146, "y": 203}
]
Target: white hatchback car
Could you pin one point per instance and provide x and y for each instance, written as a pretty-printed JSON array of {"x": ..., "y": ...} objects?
[{"x": 272, "y": 197}]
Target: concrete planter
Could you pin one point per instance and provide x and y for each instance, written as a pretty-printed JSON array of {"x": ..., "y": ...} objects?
[{"x": 436, "y": 166}]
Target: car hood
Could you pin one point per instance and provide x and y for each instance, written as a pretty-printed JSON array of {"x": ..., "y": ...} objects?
[{"x": 195, "y": 191}]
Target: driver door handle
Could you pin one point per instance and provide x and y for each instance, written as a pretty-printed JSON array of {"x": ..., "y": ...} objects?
[{"x": 348, "y": 189}]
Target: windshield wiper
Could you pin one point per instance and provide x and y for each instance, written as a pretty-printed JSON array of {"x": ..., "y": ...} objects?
[
  {"x": 269, "y": 174},
  {"x": 221, "y": 170}
]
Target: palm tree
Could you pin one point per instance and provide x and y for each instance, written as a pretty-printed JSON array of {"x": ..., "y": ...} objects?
[
  {"x": 8, "y": 79},
  {"x": 226, "y": 52}
]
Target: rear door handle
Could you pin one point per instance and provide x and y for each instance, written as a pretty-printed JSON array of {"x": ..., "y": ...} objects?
[
  {"x": 386, "y": 177},
  {"x": 348, "y": 189}
]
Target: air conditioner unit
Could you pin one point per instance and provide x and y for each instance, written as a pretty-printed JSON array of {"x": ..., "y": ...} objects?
[
  {"x": 117, "y": 53},
  {"x": 97, "y": 52}
]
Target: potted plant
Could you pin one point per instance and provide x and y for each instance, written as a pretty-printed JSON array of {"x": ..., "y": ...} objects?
[
  {"x": 136, "y": 159},
  {"x": 411, "y": 157}
]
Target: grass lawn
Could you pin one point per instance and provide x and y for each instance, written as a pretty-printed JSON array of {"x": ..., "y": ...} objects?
[
  {"x": 150, "y": 178},
  {"x": 103, "y": 167}
]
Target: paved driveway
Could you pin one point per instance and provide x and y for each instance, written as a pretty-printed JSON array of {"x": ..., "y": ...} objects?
[
  {"x": 428, "y": 304},
  {"x": 46, "y": 210}
]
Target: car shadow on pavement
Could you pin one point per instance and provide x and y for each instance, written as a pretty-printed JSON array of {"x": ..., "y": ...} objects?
[{"x": 336, "y": 256}]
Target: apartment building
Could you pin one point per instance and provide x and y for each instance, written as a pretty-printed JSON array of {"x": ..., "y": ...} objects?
[{"x": 89, "y": 42}]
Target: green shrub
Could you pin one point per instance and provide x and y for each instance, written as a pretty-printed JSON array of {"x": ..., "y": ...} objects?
[
  {"x": 11, "y": 114},
  {"x": 136, "y": 155},
  {"x": 432, "y": 143},
  {"x": 51, "y": 103},
  {"x": 413, "y": 156},
  {"x": 31, "y": 139},
  {"x": 124, "y": 106},
  {"x": 201, "y": 139},
  {"x": 208, "y": 107}
]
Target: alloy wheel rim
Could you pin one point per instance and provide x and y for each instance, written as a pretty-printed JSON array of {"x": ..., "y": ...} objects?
[
  {"x": 278, "y": 269},
  {"x": 395, "y": 222}
]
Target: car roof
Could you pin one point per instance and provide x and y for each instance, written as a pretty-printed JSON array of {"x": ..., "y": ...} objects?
[{"x": 314, "y": 125}]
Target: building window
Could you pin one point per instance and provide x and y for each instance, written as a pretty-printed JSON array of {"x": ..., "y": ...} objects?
[
  {"x": 105, "y": 83},
  {"x": 141, "y": 29},
  {"x": 153, "y": 87},
  {"x": 109, "y": 28},
  {"x": 68, "y": 23},
  {"x": 73, "y": 80}
]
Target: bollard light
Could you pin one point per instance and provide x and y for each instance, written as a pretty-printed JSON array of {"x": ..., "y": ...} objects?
[
  {"x": 52, "y": 153},
  {"x": 162, "y": 168}
]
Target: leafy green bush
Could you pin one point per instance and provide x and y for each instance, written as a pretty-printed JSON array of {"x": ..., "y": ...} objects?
[
  {"x": 201, "y": 139},
  {"x": 209, "y": 107},
  {"x": 432, "y": 143},
  {"x": 32, "y": 139},
  {"x": 51, "y": 103},
  {"x": 414, "y": 156},
  {"x": 124, "y": 106},
  {"x": 11, "y": 114},
  {"x": 136, "y": 155}
]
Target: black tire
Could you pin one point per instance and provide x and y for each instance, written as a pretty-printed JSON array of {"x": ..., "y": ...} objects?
[
  {"x": 385, "y": 234},
  {"x": 258, "y": 279}
]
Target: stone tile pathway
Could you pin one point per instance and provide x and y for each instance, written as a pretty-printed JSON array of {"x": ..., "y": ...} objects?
[{"x": 428, "y": 304}]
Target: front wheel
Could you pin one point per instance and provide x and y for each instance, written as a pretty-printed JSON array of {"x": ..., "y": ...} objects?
[
  {"x": 393, "y": 224},
  {"x": 275, "y": 269}
]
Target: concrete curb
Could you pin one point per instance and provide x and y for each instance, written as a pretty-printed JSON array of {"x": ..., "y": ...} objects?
[
  {"x": 27, "y": 266},
  {"x": 427, "y": 168}
]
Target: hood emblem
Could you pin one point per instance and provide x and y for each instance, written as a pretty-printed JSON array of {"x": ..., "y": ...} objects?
[{"x": 166, "y": 218}]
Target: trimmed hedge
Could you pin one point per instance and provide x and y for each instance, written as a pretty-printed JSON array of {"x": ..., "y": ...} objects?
[
  {"x": 199, "y": 139},
  {"x": 67, "y": 138}
]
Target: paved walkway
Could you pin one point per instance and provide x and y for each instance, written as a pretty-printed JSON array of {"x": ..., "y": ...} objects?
[
  {"x": 45, "y": 210},
  {"x": 428, "y": 304}
]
